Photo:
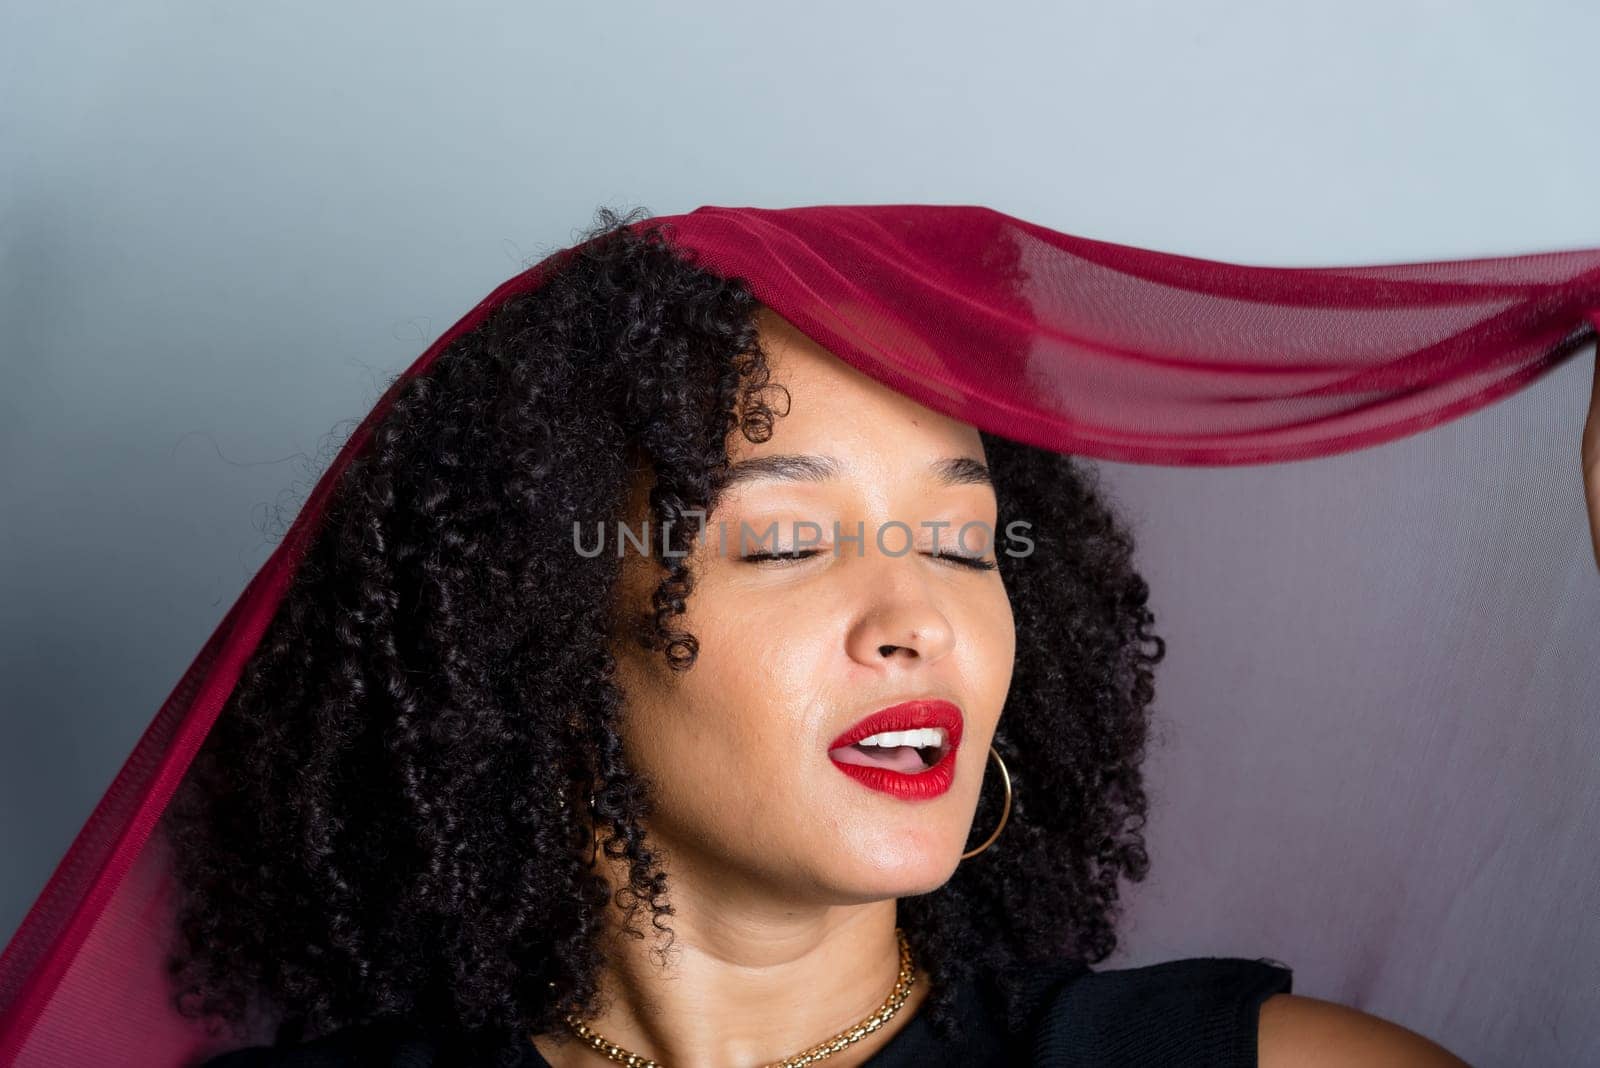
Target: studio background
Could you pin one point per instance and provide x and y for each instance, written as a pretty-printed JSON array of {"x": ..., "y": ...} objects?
[{"x": 223, "y": 228}]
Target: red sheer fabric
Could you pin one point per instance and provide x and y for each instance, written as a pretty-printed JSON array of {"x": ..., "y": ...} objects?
[{"x": 1070, "y": 344}]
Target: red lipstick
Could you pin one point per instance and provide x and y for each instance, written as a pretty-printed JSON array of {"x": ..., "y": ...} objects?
[{"x": 910, "y": 785}]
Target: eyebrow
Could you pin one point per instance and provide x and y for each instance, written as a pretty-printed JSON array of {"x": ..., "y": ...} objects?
[{"x": 810, "y": 467}]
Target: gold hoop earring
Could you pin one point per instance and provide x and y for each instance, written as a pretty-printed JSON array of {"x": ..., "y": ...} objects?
[{"x": 1005, "y": 814}]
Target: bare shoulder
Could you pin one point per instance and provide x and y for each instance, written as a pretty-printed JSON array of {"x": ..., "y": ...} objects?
[{"x": 1295, "y": 1031}]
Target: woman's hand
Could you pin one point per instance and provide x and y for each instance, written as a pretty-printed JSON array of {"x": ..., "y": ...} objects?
[{"x": 1591, "y": 460}]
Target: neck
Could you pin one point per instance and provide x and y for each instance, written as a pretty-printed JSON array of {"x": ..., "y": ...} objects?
[{"x": 747, "y": 980}]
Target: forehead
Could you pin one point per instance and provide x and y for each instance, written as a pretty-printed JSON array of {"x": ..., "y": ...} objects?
[{"x": 833, "y": 407}]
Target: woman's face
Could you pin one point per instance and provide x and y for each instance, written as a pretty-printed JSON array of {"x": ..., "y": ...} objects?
[{"x": 793, "y": 653}]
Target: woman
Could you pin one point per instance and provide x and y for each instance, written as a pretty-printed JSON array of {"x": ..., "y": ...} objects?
[{"x": 517, "y": 778}]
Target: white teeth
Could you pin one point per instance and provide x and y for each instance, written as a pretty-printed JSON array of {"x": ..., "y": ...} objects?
[{"x": 922, "y": 738}]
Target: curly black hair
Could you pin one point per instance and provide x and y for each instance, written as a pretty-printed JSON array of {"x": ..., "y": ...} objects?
[{"x": 374, "y": 827}]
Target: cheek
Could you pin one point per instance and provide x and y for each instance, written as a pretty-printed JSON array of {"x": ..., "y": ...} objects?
[
  {"x": 988, "y": 630},
  {"x": 754, "y": 686},
  {"x": 729, "y": 729}
]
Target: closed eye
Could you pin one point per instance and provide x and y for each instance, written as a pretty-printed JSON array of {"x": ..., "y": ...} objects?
[{"x": 975, "y": 563}]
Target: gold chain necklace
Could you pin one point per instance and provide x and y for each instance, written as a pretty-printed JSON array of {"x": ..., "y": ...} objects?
[{"x": 821, "y": 1051}]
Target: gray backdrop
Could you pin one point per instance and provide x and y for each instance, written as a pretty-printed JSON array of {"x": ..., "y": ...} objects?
[{"x": 223, "y": 226}]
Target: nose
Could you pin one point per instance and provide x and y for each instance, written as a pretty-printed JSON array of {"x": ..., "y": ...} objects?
[{"x": 899, "y": 618}]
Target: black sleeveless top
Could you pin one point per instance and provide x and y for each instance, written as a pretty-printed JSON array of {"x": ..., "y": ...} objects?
[{"x": 1199, "y": 1012}]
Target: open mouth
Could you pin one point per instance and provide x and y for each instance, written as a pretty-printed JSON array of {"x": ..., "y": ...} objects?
[{"x": 908, "y": 752}]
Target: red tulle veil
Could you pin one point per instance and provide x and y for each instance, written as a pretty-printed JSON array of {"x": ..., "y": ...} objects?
[{"x": 1070, "y": 344}]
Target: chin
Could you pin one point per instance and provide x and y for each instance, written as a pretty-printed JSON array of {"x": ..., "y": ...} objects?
[{"x": 901, "y": 873}]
